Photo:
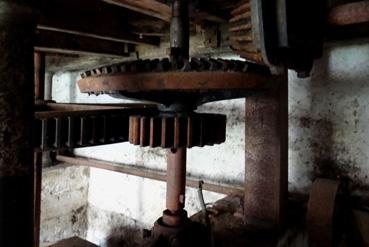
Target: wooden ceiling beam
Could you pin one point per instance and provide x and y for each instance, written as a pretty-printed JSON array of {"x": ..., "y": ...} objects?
[
  {"x": 67, "y": 43},
  {"x": 148, "y": 7},
  {"x": 92, "y": 18},
  {"x": 160, "y": 10}
]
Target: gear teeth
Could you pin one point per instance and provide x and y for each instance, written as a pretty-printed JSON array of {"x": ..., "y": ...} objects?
[
  {"x": 177, "y": 131},
  {"x": 242, "y": 34},
  {"x": 165, "y": 65}
]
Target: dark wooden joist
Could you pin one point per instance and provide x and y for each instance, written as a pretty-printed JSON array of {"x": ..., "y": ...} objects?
[
  {"x": 69, "y": 43},
  {"x": 93, "y": 18},
  {"x": 148, "y": 7},
  {"x": 161, "y": 11}
]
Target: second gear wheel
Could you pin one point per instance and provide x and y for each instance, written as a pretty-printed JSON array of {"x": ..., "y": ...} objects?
[{"x": 175, "y": 131}]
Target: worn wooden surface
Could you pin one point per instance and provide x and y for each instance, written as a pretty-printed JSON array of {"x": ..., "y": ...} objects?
[{"x": 71, "y": 242}]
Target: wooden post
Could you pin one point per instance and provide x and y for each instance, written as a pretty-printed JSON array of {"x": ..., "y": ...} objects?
[
  {"x": 266, "y": 174},
  {"x": 17, "y": 27}
]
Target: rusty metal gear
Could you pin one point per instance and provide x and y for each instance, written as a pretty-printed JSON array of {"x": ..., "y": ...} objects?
[
  {"x": 184, "y": 65},
  {"x": 242, "y": 38},
  {"x": 190, "y": 82},
  {"x": 176, "y": 131}
]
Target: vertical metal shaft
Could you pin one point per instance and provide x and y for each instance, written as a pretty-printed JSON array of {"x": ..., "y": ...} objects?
[
  {"x": 179, "y": 31},
  {"x": 176, "y": 179},
  {"x": 17, "y": 26}
]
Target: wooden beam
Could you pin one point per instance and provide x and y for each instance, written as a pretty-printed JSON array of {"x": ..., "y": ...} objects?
[
  {"x": 37, "y": 187},
  {"x": 148, "y": 7},
  {"x": 92, "y": 18},
  {"x": 266, "y": 174},
  {"x": 161, "y": 11},
  {"x": 150, "y": 174},
  {"x": 70, "y": 43},
  {"x": 117, "y": 37}
]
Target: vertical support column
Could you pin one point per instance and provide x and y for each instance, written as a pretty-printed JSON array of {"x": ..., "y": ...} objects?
[
  {"x": 37, "y": 180},
  {"x": 39, "y": 61},
  {"x": 49, "y": 86},
  {"x": 39, "y": 70},
  {"x": 17, "y": 25},
  {"x": 266, "y": 174}
]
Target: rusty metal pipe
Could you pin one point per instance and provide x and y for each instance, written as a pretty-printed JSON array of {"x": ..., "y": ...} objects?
[
  {"x": 176, "y": 179},
  {"x": 351, "y": 13}
]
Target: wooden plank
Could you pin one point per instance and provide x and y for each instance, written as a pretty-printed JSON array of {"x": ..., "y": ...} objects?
[
  {"x": 68, "y": 43},
  {"x": 93, "y": 18},
  {"x": 147, "y": 7},
  {"x": 162, "y": 11}
]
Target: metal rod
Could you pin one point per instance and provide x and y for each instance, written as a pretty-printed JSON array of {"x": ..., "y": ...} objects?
[
  {"x": 17, "y": 27},
  {"x": 150, "y": 174},
  {"x": 176, "y": 179}
]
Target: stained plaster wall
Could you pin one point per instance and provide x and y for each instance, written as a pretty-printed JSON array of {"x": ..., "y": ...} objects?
[
  {"x": 328, "y": 114},
  {"x": 64, "y": 202}
]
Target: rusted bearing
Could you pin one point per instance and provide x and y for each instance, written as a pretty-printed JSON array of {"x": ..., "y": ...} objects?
[
  {"x": 322, "y": 212},
  {"x": 175, "y": 131}
]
